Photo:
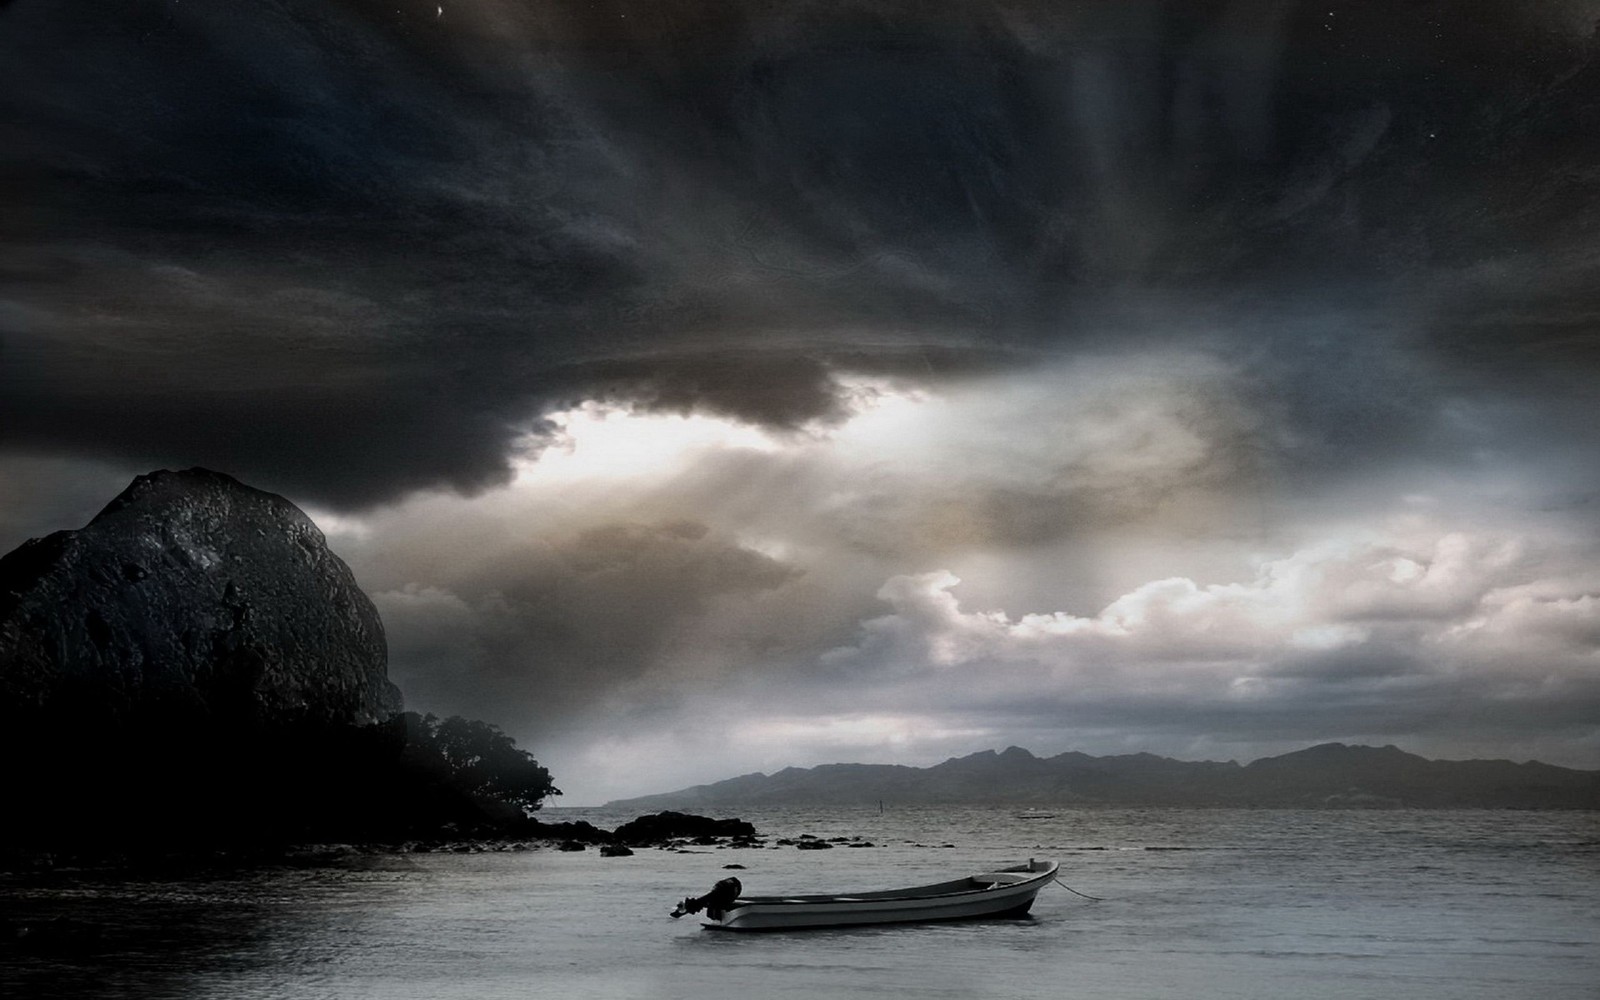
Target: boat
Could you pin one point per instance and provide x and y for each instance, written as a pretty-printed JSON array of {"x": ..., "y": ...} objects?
[{"x": 1002, "y": 893}]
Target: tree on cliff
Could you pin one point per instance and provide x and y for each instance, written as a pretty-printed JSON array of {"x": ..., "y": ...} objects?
[{"x": 479, "y": 759}]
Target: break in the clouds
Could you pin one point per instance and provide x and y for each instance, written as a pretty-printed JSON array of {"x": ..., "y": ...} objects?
[
  {"x": 631, "y": 350},
  {"x": 662, "y": 593}
]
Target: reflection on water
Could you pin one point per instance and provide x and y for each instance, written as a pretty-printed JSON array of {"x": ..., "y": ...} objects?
[
  {"x": 1199, "y": 904},
  {"x": 145, "y": 934}
]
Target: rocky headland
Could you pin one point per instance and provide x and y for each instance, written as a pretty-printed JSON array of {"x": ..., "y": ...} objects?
[
  {"x": 194, "y": 668},
  {"x": 191, "y": 599},
  {"x": 194, "y": 676}
]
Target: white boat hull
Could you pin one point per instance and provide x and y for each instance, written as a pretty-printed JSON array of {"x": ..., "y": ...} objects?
[{"x": 998, "y": 894}]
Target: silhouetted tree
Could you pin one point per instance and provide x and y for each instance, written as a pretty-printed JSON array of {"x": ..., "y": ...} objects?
[{"x": 481, "y": 760}]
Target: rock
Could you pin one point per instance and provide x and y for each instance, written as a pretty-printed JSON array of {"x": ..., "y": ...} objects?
[
  {"x": 662, "y": 827},
  {"x": 190, "y": 598},
  {"x": 572, "y": 845},
  {"x": 581, "y": 831},
  {"x": 814, "y": 845},
  {"x": 615, "y": 851}
]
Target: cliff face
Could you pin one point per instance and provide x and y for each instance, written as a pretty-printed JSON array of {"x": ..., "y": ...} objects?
[{"x": 190, "y": 598}]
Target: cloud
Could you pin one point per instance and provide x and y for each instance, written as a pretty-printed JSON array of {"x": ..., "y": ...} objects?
[
  {"x": 354, "y": 251},
  {"x": 646, "y": 572},
  {"x": 1385, "y": 634},
  {"x": 780, "y": 390},
  {"x": 546, "y": 630},
  {"x": 1093, "y": 304},
  {"x": 1453, "y": 643},
  {"x": 41, "y": 494}
]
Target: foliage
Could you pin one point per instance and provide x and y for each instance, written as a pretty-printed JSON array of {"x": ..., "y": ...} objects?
[
  {"x": 151, "y": 783},
  {"x": 479, "y": 759}
]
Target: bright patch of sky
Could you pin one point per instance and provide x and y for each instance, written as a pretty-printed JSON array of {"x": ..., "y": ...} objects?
[{"x": 755, "y": 610}]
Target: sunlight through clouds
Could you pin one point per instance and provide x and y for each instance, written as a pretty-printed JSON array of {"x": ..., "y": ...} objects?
[
  {"x": 654, "y": 566},
  {"x": 602, "y": 441},
  {"x": 838, "y": 732}
]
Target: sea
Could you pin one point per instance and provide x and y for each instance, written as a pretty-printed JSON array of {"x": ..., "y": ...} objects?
[{"x": 1192, "y": 903}]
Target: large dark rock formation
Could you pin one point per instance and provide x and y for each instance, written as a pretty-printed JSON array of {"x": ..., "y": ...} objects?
[
  {"x": 192, "y": 599},
  {"x": 194, "y": 670}
]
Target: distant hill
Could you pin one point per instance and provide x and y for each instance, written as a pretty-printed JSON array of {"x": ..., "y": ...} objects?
[{"x": 1331, "y": 775}]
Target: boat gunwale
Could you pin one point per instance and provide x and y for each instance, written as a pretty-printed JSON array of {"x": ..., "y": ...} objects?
[{"x": 908, "y": 894}]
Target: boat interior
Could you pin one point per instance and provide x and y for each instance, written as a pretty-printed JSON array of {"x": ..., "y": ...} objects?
[{"x": 972, "y": 883}]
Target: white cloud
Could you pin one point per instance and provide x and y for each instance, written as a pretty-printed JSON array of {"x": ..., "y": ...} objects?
[
  {"x": 1543, "y": 618},
  {"x": 1345, "y": 612}
]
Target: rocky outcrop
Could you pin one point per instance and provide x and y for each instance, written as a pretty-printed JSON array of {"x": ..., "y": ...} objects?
[
  {"x": 191, "y": 599},
  {"x": 666, "y": 826}
]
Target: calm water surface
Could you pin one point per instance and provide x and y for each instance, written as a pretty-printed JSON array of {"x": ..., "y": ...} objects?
[{"x": 1198, "y": 904}]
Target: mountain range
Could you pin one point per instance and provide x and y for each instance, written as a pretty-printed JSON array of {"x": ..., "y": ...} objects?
[{"x": 1330, "y": 775}]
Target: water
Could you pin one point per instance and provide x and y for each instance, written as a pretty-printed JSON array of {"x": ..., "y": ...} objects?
[{"x": 1198, "y": 904}]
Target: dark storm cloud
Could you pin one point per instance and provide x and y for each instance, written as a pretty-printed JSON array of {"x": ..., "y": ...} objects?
[
  {"x": 42, "y": 495},
  {"x": 782, "y": 392},
  {"x": 351, "y": 249},
  {"x": 541, "y": 632}
]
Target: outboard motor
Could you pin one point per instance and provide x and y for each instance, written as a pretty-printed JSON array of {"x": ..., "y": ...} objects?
[{"x": 720, "y": 898}]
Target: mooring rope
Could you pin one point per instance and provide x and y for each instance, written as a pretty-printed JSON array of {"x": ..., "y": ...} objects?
[{"x": 1075, "y": 892}]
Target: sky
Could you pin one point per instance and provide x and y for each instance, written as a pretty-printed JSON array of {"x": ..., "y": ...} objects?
[{"x": 700, "y": 388}]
